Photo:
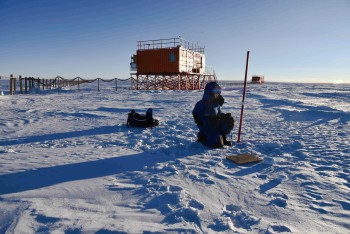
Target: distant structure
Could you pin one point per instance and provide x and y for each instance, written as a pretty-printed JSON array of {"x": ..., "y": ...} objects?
[
  {"x": 171, "y": 64},
  {"x": 258, "y": 79}
]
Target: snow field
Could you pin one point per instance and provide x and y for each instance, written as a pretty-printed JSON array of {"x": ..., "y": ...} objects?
[{"x": 69, "y": 164}]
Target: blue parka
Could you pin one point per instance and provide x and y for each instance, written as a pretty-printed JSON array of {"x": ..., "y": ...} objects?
[
  {"x": 205, "y": 111},
  {"x": 208, "y": 106}
]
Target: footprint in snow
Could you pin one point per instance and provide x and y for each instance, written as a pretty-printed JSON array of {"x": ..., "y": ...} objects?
[
  {"x": 277, "y": 228},
  {"x": 222, "y": 224},
  {"x": 44, "y": 222},
  {"x": 195, "y": 204},
  {"x": 202, "y": 178},
  {"x": 279, "y": 202},
  {"x": 240, "y": 218},
  {"x": 173, "y": 202},
  {"x": 221, "y": 176},
  {"x": 279, "y": 199},
  {"x": 269, "y": 185},
  {"x": 167, "y": 168},
  {"x": 184, "y": 215}
]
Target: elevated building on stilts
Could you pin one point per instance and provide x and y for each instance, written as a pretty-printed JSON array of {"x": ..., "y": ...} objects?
[{"x": 169, "y": 64}]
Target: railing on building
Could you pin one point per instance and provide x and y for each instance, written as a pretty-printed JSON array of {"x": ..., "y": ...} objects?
[{"x": 169, "y": 43}]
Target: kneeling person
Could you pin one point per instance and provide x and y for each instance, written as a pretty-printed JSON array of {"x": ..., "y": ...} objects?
[{"x": 212, "y": 123}]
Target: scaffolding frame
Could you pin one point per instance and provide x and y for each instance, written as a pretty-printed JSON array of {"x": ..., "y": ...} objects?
[{"x": 182, "y": 81}]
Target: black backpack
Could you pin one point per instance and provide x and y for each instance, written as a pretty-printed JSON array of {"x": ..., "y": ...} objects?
[{"x": 141, "y": 121}]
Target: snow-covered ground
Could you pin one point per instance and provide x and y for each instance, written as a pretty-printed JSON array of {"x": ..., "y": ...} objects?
[{"x": 69, "y": 164}]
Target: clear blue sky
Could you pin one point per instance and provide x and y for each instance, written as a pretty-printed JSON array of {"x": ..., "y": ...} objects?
[{"x": 290, "y": 41}]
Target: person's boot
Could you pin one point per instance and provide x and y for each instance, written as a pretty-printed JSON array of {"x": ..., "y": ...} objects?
[
  {"x": 226, "y": 142},
  {"x": 200, "y": 137},
  {"x": 219, "y": 143}
]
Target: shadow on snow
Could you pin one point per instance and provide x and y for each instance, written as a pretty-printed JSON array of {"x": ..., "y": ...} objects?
[
  {"x": 58, "y": 136},
  {"x": 48, "y": 176}
]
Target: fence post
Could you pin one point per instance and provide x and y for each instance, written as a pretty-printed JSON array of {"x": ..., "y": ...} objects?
[
  {"x": 38, "y": 85},
  {"x": 58, "y": 85},
  {"x": 116, "y": 84},
  {"x": 30, "y": 83},
  {"x": 78, "y": 85},
  {"x": 11, "y": 84},
  {"x": 26, "y": 84},
  {"x": 20, "y": 84},
  {"x": 14, "y": 85},
  {"x": 98, "y": 84}
]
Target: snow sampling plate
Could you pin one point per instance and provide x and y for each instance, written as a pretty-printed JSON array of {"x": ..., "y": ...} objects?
[{"x": 243, "y": 158}]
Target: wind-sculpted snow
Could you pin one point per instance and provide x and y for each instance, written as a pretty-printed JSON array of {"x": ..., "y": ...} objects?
[{"x": 69, "y": 164}]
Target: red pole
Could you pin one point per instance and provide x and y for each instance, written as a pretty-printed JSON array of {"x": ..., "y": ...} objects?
[{"x": 245, "y": 85}]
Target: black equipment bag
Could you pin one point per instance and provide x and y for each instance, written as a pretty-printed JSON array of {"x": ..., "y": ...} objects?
[{"x": 141, "y": 121}]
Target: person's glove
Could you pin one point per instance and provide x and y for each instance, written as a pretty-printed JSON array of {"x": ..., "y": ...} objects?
[
  {"x": 221, "y": 100},
  {"x": 214, "y": 121},
  {"x": 197, "y": 120},
  {"x": 225, "y": 115}
]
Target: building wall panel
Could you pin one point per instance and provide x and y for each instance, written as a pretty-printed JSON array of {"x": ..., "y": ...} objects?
[
  {"x": 191, "y": 61},
  {"x": 158, "y": 61},
  {"x": 170, "y": 60}
]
